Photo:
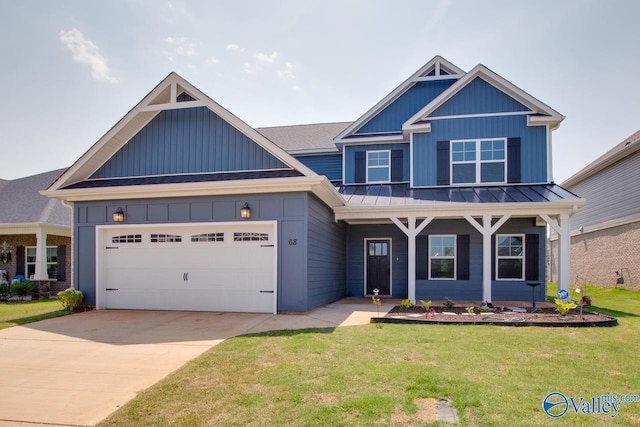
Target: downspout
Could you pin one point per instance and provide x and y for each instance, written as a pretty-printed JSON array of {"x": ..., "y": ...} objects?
[{"x": 72, "y": 263}]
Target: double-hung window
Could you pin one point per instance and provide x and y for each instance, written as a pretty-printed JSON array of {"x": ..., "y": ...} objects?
[
  {"x": 442, "y": 257},
  {"x": 378, "y": 166},
  {"x": 52, "y": 261},
  {"x": 479, "y": 161},
  {"x": 510, "y": 256}
]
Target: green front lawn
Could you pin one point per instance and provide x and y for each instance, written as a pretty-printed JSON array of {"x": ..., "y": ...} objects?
[
  {"x": 375, "y": 375},
  {"x": 20, "y": 313}
]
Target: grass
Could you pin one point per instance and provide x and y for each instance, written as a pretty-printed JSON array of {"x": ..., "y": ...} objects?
[
  {"x": 21, "y": 313},
  {"x": 374, "y": 374}
]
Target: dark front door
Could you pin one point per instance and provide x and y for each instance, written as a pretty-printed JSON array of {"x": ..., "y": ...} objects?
[{"x": 378, "y": 266}]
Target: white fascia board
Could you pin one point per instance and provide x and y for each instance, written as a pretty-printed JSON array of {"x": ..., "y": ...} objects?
[
  {"x": 498, "y": 82},
  {"x": 370, "y": 140},
  {"x": 34, "y": 228},
  {"x": 457, "y": 210},
  {"x": 314, "y": 151},
  {"x": 319, "y": 185},
  {"x": 395, "y": 94},
  {"x": 144, "y": 112}
]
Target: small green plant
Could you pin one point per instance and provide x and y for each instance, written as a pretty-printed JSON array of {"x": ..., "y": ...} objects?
[
  {"x": 4, "y": 290},
  {"x": 405, "y": 303},
  {"x": 21, "y": 289},
  {"x": 448, "y": 303},
  {"x": 70, "y": 298},
  {"x": 564, "y": 307},
  {"x": 469, "y": 309},
  {"x": 484, "y": 309},
  {"x": 426, "y": 304}
]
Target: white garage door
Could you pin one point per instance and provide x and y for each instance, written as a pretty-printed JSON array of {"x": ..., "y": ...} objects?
[{"x": 210, "y": 267}]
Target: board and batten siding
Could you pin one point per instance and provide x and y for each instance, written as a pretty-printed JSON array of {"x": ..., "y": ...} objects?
[
  {"x": 533, "y": 139},
  {"x": 399, "y": 111},
  {"x": 290, "y": 211},
  {"x": 329, "y": 165},
  {"x": 478, "y": 97},
  {"x": 350, "y": 159},
  {"x": 613, "y": 193},
  {"x": 191, "y": 140},
  {"x": 326, "y": 265}
]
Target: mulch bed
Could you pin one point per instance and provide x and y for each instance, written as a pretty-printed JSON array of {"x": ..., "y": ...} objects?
[{"x": 502, "y": 316}]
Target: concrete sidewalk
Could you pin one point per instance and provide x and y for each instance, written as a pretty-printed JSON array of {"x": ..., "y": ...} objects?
[{"x": 78, "y": 369}]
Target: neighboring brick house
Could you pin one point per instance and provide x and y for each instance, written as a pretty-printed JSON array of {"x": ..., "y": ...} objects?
[
  {"x": 35, "y": 232},
  {"x": 605, "y": 234}
]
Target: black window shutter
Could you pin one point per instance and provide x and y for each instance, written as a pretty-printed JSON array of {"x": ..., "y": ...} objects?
[
  {"x": 397, "y": 166},
  {"x": 514, "y": 161},
  {"x": 444, "y": 163},
  {"x": 493, "y": 257},
  {"x": 422, "y": 257},
  {"x": 62, "y": 263},
  {"x": 532, "y": 256},
  {"x": 20, "y": 260},
  {"x": 360, "y": 167},
  {"x": 463, "y": 252}
]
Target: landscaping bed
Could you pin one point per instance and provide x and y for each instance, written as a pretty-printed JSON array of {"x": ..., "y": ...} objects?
[{"x": 502, "y": 316}]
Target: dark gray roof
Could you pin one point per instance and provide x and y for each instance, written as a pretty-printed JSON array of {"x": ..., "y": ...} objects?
[
  {"x": 21, "y": 201},
  {"x": 317, "y": 136},
  {"x": 179, "y": 179},
  {"x": 402, "y": 194}
]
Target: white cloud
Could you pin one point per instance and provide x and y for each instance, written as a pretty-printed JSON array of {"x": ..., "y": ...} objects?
[
  {"x": 182, "y": 46},
  {"x": 213, "y": 60},
  {"x": 233, "y": 46},
  {"x": 263, "y": 58},
  {"x": 86, "y": 52},
  {"x": 287, "y": 73},
  {"x": 247, "y": 68}
]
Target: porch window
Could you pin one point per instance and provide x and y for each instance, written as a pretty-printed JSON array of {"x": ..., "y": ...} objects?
[
  {"x": 510, "y": 256},
  {"x": 52, "y": 261},
  {"x": 442, "y": 257},
  {"x": 478, "y": 161},
  {"x": 379, "y": 166}
]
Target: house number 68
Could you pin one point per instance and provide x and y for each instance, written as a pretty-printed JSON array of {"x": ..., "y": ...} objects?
[{"x": 293, "y": 242}]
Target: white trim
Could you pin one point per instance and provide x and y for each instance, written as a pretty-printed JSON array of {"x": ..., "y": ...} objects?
[
  {"x": 101, "y": 244},
  {"x": 36, "y": 262},
  {"x": 368, "y": 152},
  {"x": 480, "y": 115},
  {"x": 478, "y": 162},
  {"x": 184, "y": 174},
  {"x": 454, "y": 257},
  {"x": 390, "y": 255},
  {"x": 522, "y": 257},
  {"x": 411, "y": 159},
  {"x": 34, "y": 228},
  {"x": 395, "y": 94},
  {"x": 314, "y": 151},
  {"x": 549, "y": 156},
  {"x": 440, "y": 77},
  {"x": 382, "y": 139}
]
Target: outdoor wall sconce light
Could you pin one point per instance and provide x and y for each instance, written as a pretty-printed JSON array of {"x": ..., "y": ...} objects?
[
  {"x": 245, "y": 212},
  {"x": 5, "y": 253},
  {"x": 118, "y": 215}
]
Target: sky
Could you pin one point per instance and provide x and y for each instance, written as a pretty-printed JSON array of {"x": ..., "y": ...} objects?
[{"x": 72, "y": 69}]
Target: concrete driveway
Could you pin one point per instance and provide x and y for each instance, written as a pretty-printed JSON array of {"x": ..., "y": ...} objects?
[{"x": 78, "y": 369}]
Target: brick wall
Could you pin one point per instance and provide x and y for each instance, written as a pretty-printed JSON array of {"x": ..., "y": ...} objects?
[{"x": 596, "y": 256}]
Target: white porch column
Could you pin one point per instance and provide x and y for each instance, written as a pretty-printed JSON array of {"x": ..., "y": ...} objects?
[
  {"x": 41, "y": 256},
  {"x": 563, "y": 228},
  {"x": 487, "y": 230},
  {"x": 411, "y": 231}
]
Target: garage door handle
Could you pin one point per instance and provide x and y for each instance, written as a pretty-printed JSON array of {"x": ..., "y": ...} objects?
[
  {"x": 267, "y": 246},
  {"x": 112, "y": 247},
  {"x": 112, "y": 289},
  {"x": 266, "y": 292}
]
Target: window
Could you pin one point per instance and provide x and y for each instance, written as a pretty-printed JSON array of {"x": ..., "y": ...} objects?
[
  {"x": 129, "y": 238},
  {"x": 208, "y": 237},
  {"x": 165, "y": 238},
  {"x": 379, "y": 166},
  {"x": 442, "y": 257},
  {"x": 52, "y": 261},
  {"x": 478, "y": 161},
  {"x": 510, "y": 256},
  {"x": 250, "y": 237}
]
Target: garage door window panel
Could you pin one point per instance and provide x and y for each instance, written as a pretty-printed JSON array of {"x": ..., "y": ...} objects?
[
  {"x": 250, "y": 237},
  {"x": 128, "y": 238},
  {"x": 208, "y": 237}
]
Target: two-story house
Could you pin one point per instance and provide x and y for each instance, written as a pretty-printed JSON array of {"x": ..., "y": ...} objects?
[{"x": 443, "y": 188}]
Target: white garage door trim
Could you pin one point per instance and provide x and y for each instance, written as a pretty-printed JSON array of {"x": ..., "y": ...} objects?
[{"x": 103, "y": 241}]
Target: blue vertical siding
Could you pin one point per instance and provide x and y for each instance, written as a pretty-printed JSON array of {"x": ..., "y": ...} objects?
[
  {"x": 326, "y": 256},
  {"x": 478, "y": 97},
  {"x": 349, "y": 155},
  {"x": 533, "y": 144},
  {"x": 192, "y": 140},
  {"x": 392, "y": 117},
  {"x": 329, "y": 165}
]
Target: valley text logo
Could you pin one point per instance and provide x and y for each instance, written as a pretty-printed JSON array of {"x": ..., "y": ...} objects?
[{"x": 557, "y": 404}]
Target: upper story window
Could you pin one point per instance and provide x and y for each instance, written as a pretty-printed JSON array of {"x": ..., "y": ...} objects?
[
  {"x": 479, "y": 161},
  {"x": 378, "y": 166}
]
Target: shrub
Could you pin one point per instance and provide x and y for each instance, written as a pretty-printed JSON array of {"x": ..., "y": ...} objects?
[
  {"x": 21, "y": 289},
  {"x": 70, "y": 298},
  {"x": 405, "y": 303},
  {"x": 4, "y": 290},
  {"x": 448, "y": 303},
  {"x": 426, "y": 304}
]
